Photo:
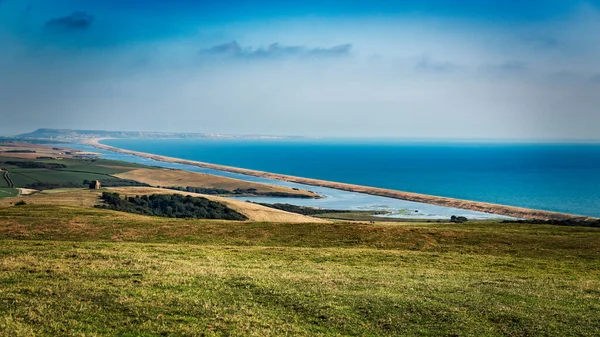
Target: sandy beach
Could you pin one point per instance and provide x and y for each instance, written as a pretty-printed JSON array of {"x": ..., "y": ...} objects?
[{"x": 517, "y": 212}]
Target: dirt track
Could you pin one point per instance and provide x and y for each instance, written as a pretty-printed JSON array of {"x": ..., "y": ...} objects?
[{"x": 6, "y": 176}]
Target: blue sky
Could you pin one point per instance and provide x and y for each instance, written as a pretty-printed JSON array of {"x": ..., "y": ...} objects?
[{"x": 410, "y": 69}]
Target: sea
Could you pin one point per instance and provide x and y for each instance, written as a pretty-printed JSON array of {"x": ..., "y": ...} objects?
[{"x": 546, "y": 176}]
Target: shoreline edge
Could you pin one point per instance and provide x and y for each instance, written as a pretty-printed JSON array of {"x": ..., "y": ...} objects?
[{"x": 497, "y": 209}]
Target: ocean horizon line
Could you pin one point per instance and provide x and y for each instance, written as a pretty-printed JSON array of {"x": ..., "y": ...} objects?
[{"x": 480, "y": 206}]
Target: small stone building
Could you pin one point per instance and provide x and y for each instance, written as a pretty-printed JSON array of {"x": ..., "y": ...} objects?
[{"x": 94, "y": 185}]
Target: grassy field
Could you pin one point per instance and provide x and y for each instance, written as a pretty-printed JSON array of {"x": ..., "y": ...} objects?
[
  {"x": 8, "y": 192},
  {"x": 3, "y": 182},
  {"x": 81, "y": 271},
  {"x": 76, "y": 171},
  {"x": 22, "y": 177}
]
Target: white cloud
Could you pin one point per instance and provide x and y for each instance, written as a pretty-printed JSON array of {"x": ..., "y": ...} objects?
[{"x": 433, "y": 78}]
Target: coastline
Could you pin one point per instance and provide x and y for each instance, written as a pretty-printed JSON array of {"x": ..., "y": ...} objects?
[{"x": 511, "y": 211}]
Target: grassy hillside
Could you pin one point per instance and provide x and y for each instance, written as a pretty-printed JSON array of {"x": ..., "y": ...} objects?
[{"x": 71, "y": 270}]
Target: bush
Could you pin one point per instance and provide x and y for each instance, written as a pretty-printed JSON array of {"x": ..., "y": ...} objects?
[
  {"x": 170, "y": 206},
  {"x": 458, "y": 219},
  {"x": 21, "y": 203}
]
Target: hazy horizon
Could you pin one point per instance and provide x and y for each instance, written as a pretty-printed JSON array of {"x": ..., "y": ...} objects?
[
  {"x": 445, "y": 70},
  {"x": 362, "y": 139}
]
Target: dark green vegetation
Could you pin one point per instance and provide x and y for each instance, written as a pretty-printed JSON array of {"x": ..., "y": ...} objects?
[
  {"x": 238, "y": 191},
  {"x": 458, "y": 219},
  {"x": 8, "y": 192},
  {"x": 201, "y": 190},
  {"x": 78, "y": 271},
  {"x": 117, "y": 182},
  {"x": 110, "y": 182},
  {"x": 20, "y": 151},
  {"x": 170, "y": 206},
  {"x": 6, "y": 180},
  {"x": 33, "y": 164},
  {"x": 65, "y": 173}
]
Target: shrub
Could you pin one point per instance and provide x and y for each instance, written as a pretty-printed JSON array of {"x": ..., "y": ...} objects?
[{"x": 170, "y": 206}]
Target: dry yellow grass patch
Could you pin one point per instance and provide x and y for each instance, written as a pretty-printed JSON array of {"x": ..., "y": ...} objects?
[
  {"x": 85, "y": 198},
  {"x": 41, "y": 151},
  {"x": 89, "y": 198},
  {"x": 169, "y": 177}
]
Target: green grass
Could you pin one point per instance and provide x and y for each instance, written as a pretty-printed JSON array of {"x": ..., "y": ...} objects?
[
  {"x": 51, "y": 176},
  {"x": 76, "y": 171},
  {"x": 21, "y": 179},
  {"x": 8, "y": 192},
  {"x": 97, "y": 166},
  {"x": 76, "y": 271}
]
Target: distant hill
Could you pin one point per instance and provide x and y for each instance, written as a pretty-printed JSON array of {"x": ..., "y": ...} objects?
[{"x": 67, "y": 134}]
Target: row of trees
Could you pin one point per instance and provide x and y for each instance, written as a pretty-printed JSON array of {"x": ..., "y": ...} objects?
[
  {"x": 40, "y": 185},
  {"x": 116, "y": 182},
  {"x": 20, "y": 151},
  {"x": 35, "y": 165},
  {"x": 111, "y": 182},
  {"x": 237, "y": 191},
  {"x": 201, "y": 190},
  {"x": 171, "y": 206}
]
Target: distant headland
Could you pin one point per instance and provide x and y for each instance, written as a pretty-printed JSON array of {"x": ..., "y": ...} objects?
[{"x": 76, "y": 135}]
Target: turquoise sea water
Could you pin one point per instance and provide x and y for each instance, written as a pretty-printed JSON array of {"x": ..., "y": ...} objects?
[{"x": 554, "y": 177}]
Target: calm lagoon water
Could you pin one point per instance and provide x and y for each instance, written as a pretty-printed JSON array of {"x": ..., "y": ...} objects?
[{"x": 554, "y": 177}]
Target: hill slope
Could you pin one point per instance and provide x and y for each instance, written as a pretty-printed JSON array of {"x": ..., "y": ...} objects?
[{"x": 83, "y": 271}]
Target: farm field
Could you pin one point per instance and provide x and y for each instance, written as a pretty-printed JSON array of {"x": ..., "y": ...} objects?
[
  {"x": 3, "y": 182},
  {"x": 8, "y": 192},
  {"x": 69, "y": 171},
  {"x": 75, "y": 170},
  {"x": 23, "y": 177},
  {"x": 91, "y": 271}
]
